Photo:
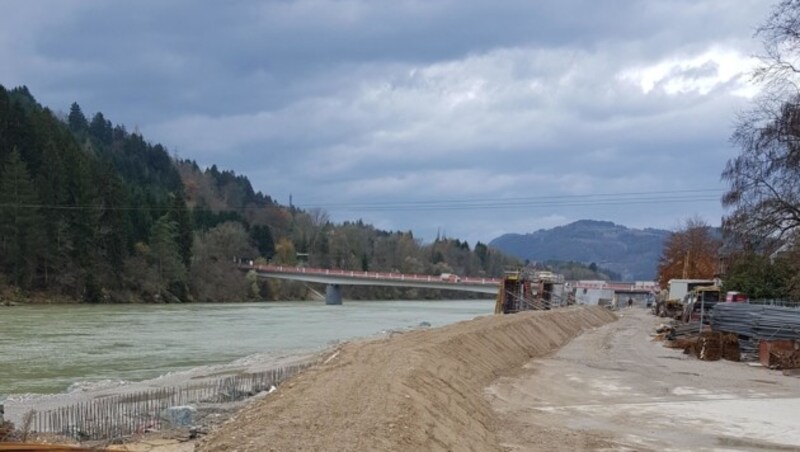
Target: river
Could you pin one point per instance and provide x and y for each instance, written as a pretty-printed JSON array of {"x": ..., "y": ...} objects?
[{"x": 56, "y": 348}]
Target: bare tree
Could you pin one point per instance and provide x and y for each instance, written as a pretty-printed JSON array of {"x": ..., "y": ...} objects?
[
  {"x": 214, "y": 277},
  {"x": 319, "y": 217},
  {"x": 780, "y": 62},
  {"x": 764, "y": 180}
]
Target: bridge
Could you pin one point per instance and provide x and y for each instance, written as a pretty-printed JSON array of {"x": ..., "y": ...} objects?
[{"x": 335, "y": 279}]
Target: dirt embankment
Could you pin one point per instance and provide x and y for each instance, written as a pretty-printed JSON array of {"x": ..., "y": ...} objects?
[{"x": 415, "y": 391}]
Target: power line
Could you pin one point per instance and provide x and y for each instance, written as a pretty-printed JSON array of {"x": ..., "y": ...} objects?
[
  {"x": 581, "y": 203},
  {"x": 597, "y": 199},
  {"x": 525, "y": 198},
  {"x": 617, "y": 198}
]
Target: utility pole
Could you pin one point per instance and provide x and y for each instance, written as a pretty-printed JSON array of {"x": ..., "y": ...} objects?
[{"x": 686, "y": 264}]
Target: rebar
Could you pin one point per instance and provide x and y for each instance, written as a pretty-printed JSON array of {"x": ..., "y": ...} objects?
[
  {"x": 116, "y": 416},
  {"x": 756, "y": 322}
]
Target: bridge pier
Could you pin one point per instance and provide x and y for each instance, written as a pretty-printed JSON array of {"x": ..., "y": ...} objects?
[{"x": 333, "y": 294}]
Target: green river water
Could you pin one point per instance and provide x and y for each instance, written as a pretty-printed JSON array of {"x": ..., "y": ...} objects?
[{"x": 51, "y": 349}]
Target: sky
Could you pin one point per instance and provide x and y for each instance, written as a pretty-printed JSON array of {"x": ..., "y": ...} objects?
[{"x": 464, "y": 118}]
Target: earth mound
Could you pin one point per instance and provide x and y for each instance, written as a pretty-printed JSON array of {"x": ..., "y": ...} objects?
[{"x": 421, "y": 390}]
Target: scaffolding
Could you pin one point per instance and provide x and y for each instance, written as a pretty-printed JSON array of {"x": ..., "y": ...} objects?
[{"x": 528, "y": 290}]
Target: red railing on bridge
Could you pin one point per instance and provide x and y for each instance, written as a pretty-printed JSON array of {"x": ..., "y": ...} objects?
[{"x": 374, "y": 275}]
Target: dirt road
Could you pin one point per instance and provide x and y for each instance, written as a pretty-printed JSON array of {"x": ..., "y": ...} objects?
[{"x": 613, "y": 388}]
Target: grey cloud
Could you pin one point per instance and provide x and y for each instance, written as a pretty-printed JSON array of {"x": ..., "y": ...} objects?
[
  {"x": 278, "y": 46},
  {"x": 413, "y": 99}
]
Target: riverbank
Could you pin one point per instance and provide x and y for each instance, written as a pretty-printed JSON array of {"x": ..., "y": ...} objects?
[
  {"x": 13, "y": 296},
  {"x": 421, "y": 390}
]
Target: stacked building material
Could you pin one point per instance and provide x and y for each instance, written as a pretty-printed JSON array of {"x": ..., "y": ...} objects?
[
  {"x": 778, "y": 323},
  {"x": 789, "y": 360},
  {"x": 754, "y": 323},
  {"x": 708, "y": 347},
  {"x": 780, "y": 354},
  {"x": 757, "y": 322},
  {"x": 680, "y": 330},
  {"x": 749, "y": 349},
  {"x": 730, "y": 347},
  {"x": 737, "y": 318},
  {"x": 713, "y": 346}
]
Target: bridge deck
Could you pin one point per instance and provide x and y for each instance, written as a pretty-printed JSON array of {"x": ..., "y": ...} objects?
[{"x": 352, "y": 277}]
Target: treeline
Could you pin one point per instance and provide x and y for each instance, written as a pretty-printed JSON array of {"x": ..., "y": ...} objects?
[
  {"x": 92, "y": 212},
  {"x": 291, "y": 236},
  {"x": 759, "y": 268}
]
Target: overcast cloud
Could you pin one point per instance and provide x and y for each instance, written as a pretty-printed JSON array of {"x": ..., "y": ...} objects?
[{"x": 371, "y": 109}]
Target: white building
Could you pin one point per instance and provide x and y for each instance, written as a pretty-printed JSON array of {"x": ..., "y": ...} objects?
[{"x": 614, "y": 292}]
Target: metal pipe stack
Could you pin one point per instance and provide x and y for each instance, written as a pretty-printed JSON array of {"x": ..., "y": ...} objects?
[
  {"x": 754, "y": 323},
  {"x": 683, "y": 330}
]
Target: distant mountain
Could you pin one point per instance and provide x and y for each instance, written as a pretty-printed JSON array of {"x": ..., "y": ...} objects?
[{"x": 633, "y": 253}]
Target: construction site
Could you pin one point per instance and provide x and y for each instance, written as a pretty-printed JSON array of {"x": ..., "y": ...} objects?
[
  {"x": 525, "y": 290},
  {"x": 703, "y": 320},
  {"x": 695, "y": 372}
]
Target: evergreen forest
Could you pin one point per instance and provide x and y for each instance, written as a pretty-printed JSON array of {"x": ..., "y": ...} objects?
[{"x": 91, "y": 212}]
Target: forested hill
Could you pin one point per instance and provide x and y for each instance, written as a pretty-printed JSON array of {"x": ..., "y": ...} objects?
[
  {"x": 78, "y": 196},
  {"x": 632, "y": 253},
  {"x": 92, "y": 212}
]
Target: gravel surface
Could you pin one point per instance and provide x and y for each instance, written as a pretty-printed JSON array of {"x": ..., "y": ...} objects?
[{"x": 614, "y": 388}]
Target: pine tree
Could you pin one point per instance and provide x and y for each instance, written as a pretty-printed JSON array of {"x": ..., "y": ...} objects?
[
  {"x": 82, "y": 221},
  {"x": 166, "y": 253},
  {"x": 5, "y": 111},
  {"x": 20, "y": 133},
  {"x": 113, "y": 221},
  {"x": 261, "y": 235},
  {"x": 76, "y": 120},
  {"x": 21, "y": 238},
  {"x": 101, "y": 130},
  {"x": 51, "y": 183},
  {"x": 179, "y": 214}
]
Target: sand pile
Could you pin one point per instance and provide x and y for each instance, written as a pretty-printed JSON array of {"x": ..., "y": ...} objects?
[{"x": 416, "y": 391}]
